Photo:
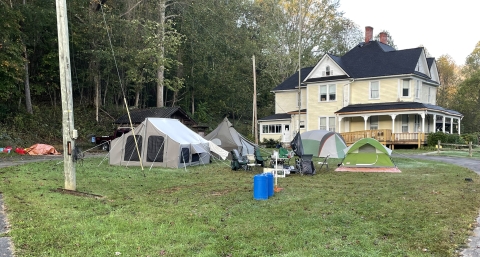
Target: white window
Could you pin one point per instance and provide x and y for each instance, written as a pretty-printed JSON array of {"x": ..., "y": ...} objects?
[
  {"x": 302, "y": 124},
  {"x": 374, "y": 90},
  {"x": 373, "y": 122},
  {"x": 328, "y": 71},
  {"x": 405, "y": 123},
  {"x": 331, "y": 124},
  {"x": 406, "y": 88},
  {"x": 272, "y": 129},
  {"x": 328, "y": 93},
  {"x": 418, "y": 89},
  {"x": 327, "y": 123}
]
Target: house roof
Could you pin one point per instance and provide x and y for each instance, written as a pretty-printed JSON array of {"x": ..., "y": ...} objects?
[
  {"x": 392, "y": 106},
  {"x": 277, "y": 116},
  {"x": 430, "y": 61},
  {"x": 292, "y": 82},
  {"x": 375, "y": 59},
  {"x": 368, "y": 60},
  {"x": 139, "y": 115}
]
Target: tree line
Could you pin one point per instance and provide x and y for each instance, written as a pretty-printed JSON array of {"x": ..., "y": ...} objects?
[{"x": 195, "y": 54}]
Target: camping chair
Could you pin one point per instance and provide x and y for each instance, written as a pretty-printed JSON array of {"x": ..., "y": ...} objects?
[
  {"x": 238, "y": 161},
  {"x": 324, "y": 162},
  {"x": 304, "y": 164},
  {"x": 258, "y": 158}
]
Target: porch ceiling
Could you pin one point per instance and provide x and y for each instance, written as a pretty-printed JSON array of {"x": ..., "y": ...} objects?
[{"x": 396, "y": 107}]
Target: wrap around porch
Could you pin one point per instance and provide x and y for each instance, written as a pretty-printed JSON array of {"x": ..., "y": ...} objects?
[{"x": 386, "y": 137}]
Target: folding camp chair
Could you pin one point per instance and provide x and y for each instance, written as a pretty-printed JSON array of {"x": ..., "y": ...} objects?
[
  {"x": 304, "y": 164},
  {"x": 324, "y": 162},
  {"x": 238, "y": 161},
  {"x": 258, "y": 158}
]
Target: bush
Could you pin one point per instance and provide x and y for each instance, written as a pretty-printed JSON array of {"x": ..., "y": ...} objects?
[
  {"x": 270, "y": 143},
  {"x": 444, "y": 138}
]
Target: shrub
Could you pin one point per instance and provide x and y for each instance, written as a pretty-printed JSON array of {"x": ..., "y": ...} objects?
[
  {"x": 444, "y": 138},
  {"x": 270, "y": 143}
]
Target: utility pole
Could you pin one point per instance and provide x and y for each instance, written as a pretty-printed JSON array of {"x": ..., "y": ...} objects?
[
  {"x": 299, "y": 60},
  {"x": 254, "y": 122},
  {"x": 69, "y": 133}
]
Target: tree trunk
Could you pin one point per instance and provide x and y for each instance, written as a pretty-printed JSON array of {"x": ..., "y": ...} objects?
[
  {"x": 161, "y": 56},
  {"x": 137, "y": 97},
  {"x": 193, "y": 104},
  {"x": 96, "y": 79},
  {"x": 28, "y": 98}
]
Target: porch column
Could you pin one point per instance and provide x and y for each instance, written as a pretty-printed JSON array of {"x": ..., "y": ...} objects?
[
  {"x": 459, "y": 126},
  {"x": 443, "y": 119},
  {"x": 393, "y": 122},
  {"x": 423, "y": 122},
  {"x": 434, "y": 123},
  {"x": 451, "y": 125},
  {"x": 340, "y": 124},
  {"x": 365, "y": 118}
]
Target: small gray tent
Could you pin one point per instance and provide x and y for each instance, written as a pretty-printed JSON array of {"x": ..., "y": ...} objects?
[
  {"x": 228, "y": 138},
  {"x": 161, "y": 142}
]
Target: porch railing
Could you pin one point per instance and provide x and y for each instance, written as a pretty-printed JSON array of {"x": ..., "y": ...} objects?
[{"x": 386, "y": 137}]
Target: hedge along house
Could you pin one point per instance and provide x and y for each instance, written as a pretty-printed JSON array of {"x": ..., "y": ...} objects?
[
  {"x": 161, "y": 142},
  {"x": 373, "y": 91}
]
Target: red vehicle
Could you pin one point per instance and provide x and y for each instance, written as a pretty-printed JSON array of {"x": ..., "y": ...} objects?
[{"x": 104, "y": 141}]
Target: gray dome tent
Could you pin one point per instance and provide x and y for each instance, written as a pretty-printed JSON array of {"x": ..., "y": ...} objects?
[{"x": 228, "y": 138}]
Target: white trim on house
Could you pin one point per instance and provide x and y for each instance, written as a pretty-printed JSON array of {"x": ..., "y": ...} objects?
[{"x": 319, "y": 70}]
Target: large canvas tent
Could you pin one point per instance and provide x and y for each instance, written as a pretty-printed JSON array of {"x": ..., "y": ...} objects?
[
  {"x": 323, "y": 143},
  {"x": 162, "y": 142},
  {"x": 228, "y": 138},
  {"x": 368, "y": 155}
]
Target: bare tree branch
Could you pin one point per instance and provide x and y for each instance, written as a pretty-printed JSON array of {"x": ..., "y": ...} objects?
[{"x": 129, "y": 10}]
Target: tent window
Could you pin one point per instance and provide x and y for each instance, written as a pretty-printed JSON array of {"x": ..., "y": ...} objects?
[
  {"x": 185, "y": 155},
  {"x": 155, "y": 148},
  {"x": 195, "y": 157},
  {"x": 131, "y": 153}
]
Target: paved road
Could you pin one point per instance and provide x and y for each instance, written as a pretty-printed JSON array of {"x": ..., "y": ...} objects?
[{"x": 473, "y": 249}]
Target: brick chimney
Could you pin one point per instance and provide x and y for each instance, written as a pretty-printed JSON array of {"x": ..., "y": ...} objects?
[
  {"x": 368, "y": 34},
  {"x": 383, "y": 37}
]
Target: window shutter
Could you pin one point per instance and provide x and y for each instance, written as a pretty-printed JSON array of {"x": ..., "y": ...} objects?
[{"x": 323, "y": 73}]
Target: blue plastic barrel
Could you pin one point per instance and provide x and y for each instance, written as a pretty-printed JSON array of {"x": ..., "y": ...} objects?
[
  {"x": 260, "y": 187},
  {"x": 270, "y": 183}
]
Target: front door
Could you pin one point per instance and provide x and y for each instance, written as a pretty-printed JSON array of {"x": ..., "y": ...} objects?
[{"x": 286, "y": 133}]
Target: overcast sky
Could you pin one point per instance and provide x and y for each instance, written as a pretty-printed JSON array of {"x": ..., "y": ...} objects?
[{"x": 443, "y": 27}]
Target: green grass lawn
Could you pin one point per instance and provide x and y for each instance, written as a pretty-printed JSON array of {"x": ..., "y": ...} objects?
[{"x": 427, "y": 210}]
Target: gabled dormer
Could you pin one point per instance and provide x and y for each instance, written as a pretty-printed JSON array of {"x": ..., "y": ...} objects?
[
  {"x": 432, "y": 64},
  {"x": 328, "y": 66},
  {"x": 422, "y": 65}
]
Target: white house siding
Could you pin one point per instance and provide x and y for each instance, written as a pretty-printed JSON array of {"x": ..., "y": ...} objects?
[
  {"x": 286, "y": 101},
  {"x": 317, "y": 109}
]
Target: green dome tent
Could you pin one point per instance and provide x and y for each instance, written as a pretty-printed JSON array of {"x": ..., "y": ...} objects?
[{"x": 368, "y": 155}]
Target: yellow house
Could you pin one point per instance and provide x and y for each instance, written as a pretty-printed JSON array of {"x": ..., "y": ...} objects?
[{"x": 373, "y": 90}]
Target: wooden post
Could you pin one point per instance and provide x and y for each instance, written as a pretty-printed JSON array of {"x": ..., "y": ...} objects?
[
  {"x": 69, "y": 133},
  {"x": 254, "y": 118},
  {"x": 418, "y": 140},
  {"x": 438, "y": 147},
  {"x": 470, "y": 148}
]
